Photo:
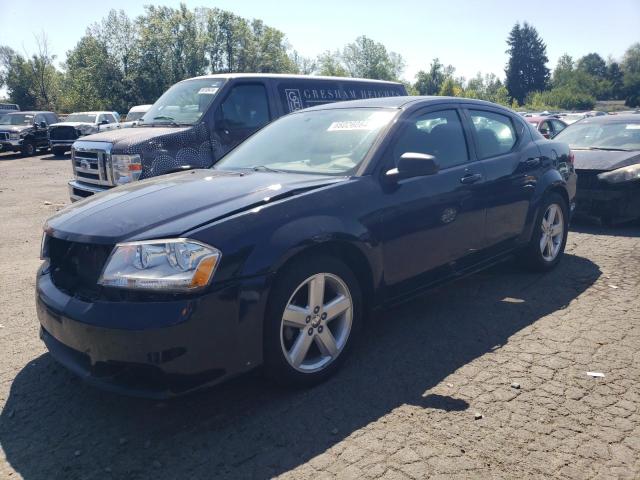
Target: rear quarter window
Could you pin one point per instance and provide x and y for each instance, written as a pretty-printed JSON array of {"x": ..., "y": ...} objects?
[{"x": 296, "y": 95}]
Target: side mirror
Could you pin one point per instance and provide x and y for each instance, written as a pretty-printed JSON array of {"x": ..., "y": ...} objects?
[
  {"x": 412, "y": 164},
  {"x": 42, "y": 125},
  {"x": 545, "y": 132},
  {"x": 104, "y": 122}
]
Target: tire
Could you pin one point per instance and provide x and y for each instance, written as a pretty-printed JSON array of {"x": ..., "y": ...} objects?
[
  {"x": 311, "y": 326},
  {"x": 540, "y": 255},
  {"x": 29, "y": 149},
  {"x": 58, "y": 151}
]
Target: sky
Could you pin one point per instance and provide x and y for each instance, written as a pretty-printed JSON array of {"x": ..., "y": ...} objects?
[{"x": 470, "y": 35}]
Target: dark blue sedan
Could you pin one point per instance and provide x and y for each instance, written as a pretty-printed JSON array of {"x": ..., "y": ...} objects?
[{"x": 274, "y": 256}]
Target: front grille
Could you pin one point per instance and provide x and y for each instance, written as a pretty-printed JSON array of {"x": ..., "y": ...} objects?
[
  {"x": 76, "y": 267},
  {"x": 588, "y": 179},
  {"x": 91, "y": 164},
  {"x": 63, "y": 133},
  {"x": 4, "y": 136}
]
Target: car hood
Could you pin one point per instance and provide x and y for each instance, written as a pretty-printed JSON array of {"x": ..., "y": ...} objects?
[
  {"x": 123, "y": 139},
  {"x": 14, "y": 128},
  {"x": 72, "y": 124},
  {"x": 604, "y": 159},
  {"x": 171, "y": 205}
]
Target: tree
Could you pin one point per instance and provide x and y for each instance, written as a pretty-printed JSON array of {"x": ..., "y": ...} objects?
[
  {"x": 631, "y": 69},
  {"x": 330, "y": 63},
  {"x": 450, "y": 88},
  {"x": 593, "y": 64},
  {"x": 526, "y": 69},
  {"x": 366, "y": 58},
  {"x": 616, "y": 78},
  {"x": 429, "y": 83},
  {"x": 563, "y": 71}
]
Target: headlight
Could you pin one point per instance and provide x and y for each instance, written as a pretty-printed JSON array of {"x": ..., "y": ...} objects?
[
  {"x": 44, "y": 246},
  {"x": 126, "y": 168},
  {"x": 173, "y": 265},
  {"x": 624, "y": 174},
  {"x": 14, "y": 136}
]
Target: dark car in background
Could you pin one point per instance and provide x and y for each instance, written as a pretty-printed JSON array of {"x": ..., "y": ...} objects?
[
  {"x": 197, "y": 121},
  {"x": 25, "y": 132},
  {"x": 548, "y": 126},
  {"x": 273, "y": 255},
  {"x": 607, "y": 160}
]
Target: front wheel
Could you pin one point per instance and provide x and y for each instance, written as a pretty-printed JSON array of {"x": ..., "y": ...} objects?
[
  {"x": 549, "y": 235},
  {"x": 313, "y": 316},
  {"x": 29, "y": 149}
]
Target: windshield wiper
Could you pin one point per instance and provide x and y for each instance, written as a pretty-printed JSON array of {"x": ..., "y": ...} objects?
[
  {"x": 170, "y": 121},
  {"x": 263, "y": 168}
]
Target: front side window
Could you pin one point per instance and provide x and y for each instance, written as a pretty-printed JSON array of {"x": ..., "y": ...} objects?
[
  {"x": 495, "y": 133},
  {"x": 324, "y": 142},
  {"x": 246, "y": 108},
  {"x": 110, "y": 118},
  {"x": 557, "y": 126},
  {"x": 39, "y": 119},
  {"x": 439, "y": 134},
  {"x": 185, "y": 103}
]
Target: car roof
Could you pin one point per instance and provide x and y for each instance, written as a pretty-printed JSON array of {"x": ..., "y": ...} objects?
[
  {"x": 97, "y": 112},
  {"x": 402, "y": 102},
  {"x": 541, "y": 119},
  {"x": 29, "y": 112},
  {"x": 295, "y": 77},
  {"x": 138, "y": 108},
  {"x": 620, "y": 118}
]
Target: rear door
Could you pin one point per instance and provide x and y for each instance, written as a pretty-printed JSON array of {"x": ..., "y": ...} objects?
[
  {"x": 40, "y": 134},
  {"x": 512, "y": 165}
]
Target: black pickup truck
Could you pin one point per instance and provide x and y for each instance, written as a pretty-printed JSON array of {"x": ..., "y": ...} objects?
[
  {"x": 197, "y": 121},
  {"x": 25, "y": 132}
]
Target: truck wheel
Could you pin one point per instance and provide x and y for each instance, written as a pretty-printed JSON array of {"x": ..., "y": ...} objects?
[
  {"x": 312, "y": 318},
  {"x": 28, "y": 149},
  {"x": 549, "y": 236}
]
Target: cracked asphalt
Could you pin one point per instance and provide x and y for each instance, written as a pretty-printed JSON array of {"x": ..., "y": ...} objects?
[{"x": 483, "y": 378}]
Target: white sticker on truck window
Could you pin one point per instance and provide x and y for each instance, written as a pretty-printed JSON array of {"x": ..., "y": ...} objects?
[
  {"x": 208, "y": 91},
  {"x": 633, "y": 126}
]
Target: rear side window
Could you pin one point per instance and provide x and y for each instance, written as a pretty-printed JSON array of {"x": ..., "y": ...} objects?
[
  {"x": 296, "y": 95},
  {"x": 437, "y": 133},
  {"x": 246, "y": 107},
  {"x": 495, "y": 133}
]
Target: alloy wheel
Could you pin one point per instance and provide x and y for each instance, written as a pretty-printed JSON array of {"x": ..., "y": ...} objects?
[
  {"x": 552, "y": 232},
  {"x": 316, "y": 322}
]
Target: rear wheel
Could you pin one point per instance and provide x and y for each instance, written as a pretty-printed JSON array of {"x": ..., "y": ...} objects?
[
  {"x": 549, "y": 235},
  {"x": 311, "y": 322}
]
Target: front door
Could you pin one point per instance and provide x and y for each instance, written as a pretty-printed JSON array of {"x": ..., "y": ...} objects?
[{"x": 433, "y": 220}]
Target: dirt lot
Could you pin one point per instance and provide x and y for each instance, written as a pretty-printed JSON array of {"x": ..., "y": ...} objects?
[{"x": 404, "y": 406}]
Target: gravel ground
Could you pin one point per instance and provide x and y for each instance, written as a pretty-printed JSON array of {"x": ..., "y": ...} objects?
[{"x": 484, "y": 378}]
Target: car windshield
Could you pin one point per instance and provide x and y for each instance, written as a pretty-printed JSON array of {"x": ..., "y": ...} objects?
[
  {"x": 184, "y": 103},
  {"x": 82, "y": 117},
  {"x": 606, "y": 136},
  {"x": 133, "y": 116},
  {"x": 325, "y": 142},
  {"x": 16, "y": 119}
]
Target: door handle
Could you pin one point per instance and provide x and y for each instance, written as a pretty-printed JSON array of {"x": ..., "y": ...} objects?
[
  {"x": 471, "y": 178},
  {"x": 532, "y": 162}
]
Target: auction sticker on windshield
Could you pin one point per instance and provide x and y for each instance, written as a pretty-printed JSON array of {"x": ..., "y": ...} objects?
[{"x": 374, "y": 121}]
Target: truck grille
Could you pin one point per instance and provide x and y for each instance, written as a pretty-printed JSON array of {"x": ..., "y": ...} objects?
[
  {"x": 92, "y": 162},
  {"x": 76, "y": 267},
  {"x": 63, "y": 133},
  {"x": 4, "y": 136}
]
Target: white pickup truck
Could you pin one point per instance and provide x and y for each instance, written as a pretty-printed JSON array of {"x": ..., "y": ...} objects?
[{"x": 63, "y": 134}]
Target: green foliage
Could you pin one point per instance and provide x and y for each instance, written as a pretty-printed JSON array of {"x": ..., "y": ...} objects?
[
  {"x": 562, "y": 98},
  {"x": 593, "y": 64},
  {"x": 430, "y": 83},
  {"x": 330, "y": 63},
  {"x": 366, "y": 58},
  {"x": 526, "y": 70},
  {"x": 450, "y": 88}
]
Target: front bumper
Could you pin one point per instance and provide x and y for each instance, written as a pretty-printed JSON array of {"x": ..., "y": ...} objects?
[
  {"x": 11, "y": 145},
  {"x": 61, "y": 143},
  {"x": 153, "y": 349},
  {"x": 79, "y": 190},
  {"x": 614, "y": 202}
]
